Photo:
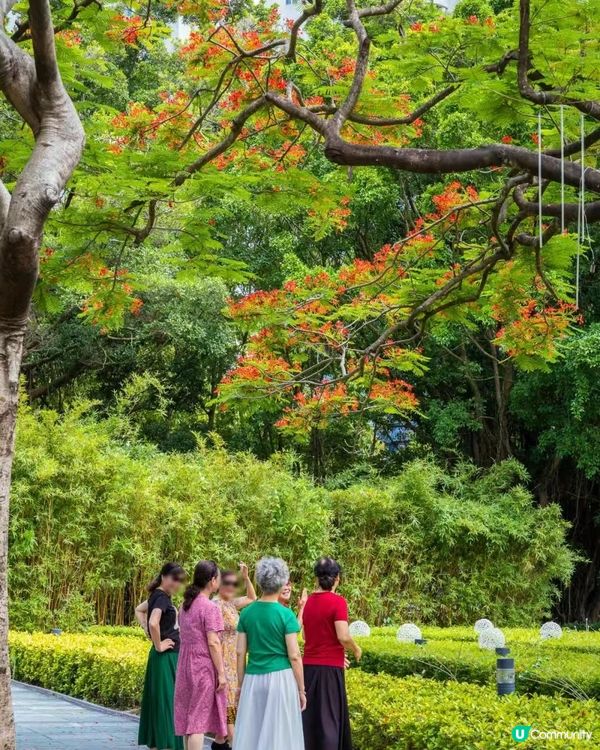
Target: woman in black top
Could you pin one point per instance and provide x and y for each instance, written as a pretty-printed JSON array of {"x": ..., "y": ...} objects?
[{"x": 158, "y": 616}]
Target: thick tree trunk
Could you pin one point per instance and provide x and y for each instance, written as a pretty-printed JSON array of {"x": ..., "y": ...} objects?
[
  {"x": 33, "y": 86},
  {"x": 11, "y": 347}
]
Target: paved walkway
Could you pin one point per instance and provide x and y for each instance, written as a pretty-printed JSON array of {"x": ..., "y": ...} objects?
[{"x": 47, "y": 721}]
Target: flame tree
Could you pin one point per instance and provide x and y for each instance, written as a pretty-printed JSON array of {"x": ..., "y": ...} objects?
[{"x": 248, "y": 106}]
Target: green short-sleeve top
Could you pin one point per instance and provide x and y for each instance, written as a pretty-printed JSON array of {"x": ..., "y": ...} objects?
[{"x": 266, "y": 625}]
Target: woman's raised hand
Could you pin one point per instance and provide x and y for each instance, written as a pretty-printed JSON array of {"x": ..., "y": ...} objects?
[
  {"x": 244, "y": 571},
  {"x": 302, "y": 599}
]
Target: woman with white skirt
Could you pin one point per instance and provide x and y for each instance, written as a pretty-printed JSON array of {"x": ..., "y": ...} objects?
[{"x": 270, "y": 675}]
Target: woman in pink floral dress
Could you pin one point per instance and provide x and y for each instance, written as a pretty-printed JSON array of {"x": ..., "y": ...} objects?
[{"x": 201, "y": 687}]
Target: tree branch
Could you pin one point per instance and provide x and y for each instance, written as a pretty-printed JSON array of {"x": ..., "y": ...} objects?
[
  {"x": 479, "y": 265},
  {"x": 575, "y": 147},
  {"x": 438, "y": 161},
  {"x": 20, "y": 34},
  {"x": 42, "y": 34},
  {"x": 360, "y": 70},
  {"x": 219, "y": 90},
  {"x": 17, "y": 79},
  {"x": 500, "y": 66},
  {"x": 312, "y": 10},
  {"x": 407, "y": 119},
  {"x": 36, "y": 91},
  {"x": 526, "y": 89},
  {"x": 237, "y": 126},
  {"x": 571, "y": 210},
  {"x": 299, "y": 112},
  {"x": 390, "y": 121},
  {"x": 379, "y": 10}
]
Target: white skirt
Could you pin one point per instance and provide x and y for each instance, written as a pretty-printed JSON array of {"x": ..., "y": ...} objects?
[{"x": 269, "y": 716}]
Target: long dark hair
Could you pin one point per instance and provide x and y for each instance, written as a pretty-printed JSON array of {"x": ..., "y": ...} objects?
[
  {"x": 327, "y": 571},
  {"x": 204, "y": 572},
  {"x": 168, "y": 569}
]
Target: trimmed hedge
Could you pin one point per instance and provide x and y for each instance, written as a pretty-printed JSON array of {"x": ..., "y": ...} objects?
[
  {"x": 573, "y": 640},
  {"x": 387, "y": 713},
  {"x": 419, "y": 714},
  {"x": 108, "y": 670},
  {"x": 121, "y": 631},
  {"x": 106, "y": 664},
  {"x": 550, "y": 667}
]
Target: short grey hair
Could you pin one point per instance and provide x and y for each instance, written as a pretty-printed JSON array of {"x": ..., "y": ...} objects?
[{"x": 272, "y": 573}]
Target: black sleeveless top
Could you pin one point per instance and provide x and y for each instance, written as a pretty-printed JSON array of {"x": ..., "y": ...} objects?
[{"x": 168, "y": 621}]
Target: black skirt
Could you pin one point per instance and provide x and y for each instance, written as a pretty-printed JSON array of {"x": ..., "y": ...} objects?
[{"x": 326, "y": 720}]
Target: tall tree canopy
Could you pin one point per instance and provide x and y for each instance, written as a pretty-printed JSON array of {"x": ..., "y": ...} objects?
[{"x": 235, "y": 154}]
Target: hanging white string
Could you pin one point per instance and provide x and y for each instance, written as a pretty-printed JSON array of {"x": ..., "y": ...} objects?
[
  {"x": 581, "y": 212},
  {"x": 562, "y": 169},
  {"x": 540, "y": 196}
]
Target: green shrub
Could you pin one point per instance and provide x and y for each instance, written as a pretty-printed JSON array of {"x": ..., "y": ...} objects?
[
  {"x": 573, "y": 640},
  {"x": 387, "y": 713},
  {"x": 570, "y": 666},
  {"x": 418, "y": 714},
  {"x": 430, "y": 547},
  {"x": 108, "y": 670},
  {"x": 120, "y": 631},
  {"x": 94, "y": 516}
]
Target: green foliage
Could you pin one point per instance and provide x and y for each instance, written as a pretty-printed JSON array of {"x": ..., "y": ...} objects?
[
  {"x": 569, "y": 667},
  {"x": 566, "y": 418},
  {"x": 449, "y": 419},
  {"x": 118, "y": 631},
  {"x": 582, "y": 641},
  {"x": 417, "y": 714},
  {"x": 387, "y": 713},
  {"x": 108, "y": 670},
  {"x": 442, "y": 548},
  {"x": 481, "y": 9},
  {"x": 96, "y": 512},
  {"x": 95, "y": 517}
]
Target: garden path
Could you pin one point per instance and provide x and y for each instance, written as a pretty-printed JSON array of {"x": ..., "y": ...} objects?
[{"x": 49, "y": 721}]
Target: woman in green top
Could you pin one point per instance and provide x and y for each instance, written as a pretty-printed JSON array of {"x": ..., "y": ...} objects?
[{"x": 270, "y": 674}]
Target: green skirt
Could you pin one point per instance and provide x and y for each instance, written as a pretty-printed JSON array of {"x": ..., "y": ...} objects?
[{"x": 157, "y": 727}]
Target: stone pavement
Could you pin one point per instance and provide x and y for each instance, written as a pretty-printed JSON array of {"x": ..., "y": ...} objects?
[{"x": 48, "y": 721}]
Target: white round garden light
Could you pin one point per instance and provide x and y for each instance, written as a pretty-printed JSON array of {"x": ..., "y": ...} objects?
[
  {"x": 491, "y": 639},
  {"x": 359, "y": 628},
  {"x": 409, "y": 633},
  {"x": 550, "y": 630},
  {"x": 482, "y": 625}
]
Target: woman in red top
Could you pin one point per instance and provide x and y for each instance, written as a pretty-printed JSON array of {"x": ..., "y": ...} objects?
[{"x": 326, "y": 640}]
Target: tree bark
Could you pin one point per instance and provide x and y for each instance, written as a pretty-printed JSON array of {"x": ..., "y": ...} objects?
[
  {"x": 33, "y": 86},
  {"x": 11, "y": 347}
]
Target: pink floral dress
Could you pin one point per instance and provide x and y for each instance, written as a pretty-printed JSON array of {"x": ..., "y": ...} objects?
[{"x": 199, "y": 708}]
